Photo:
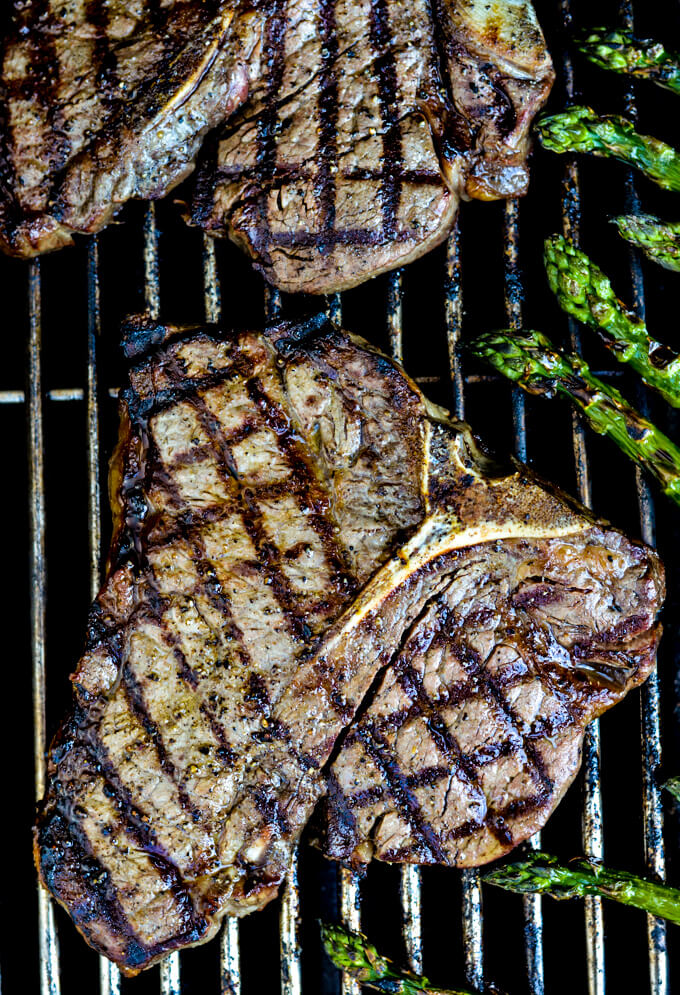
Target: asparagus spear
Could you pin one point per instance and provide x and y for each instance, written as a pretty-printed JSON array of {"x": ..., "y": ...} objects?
[
  {"x": 659, "y": 240},
  {"x": 580, "y": 129},
  {"x": 584, "y": 292},
  {"x": 352, "y": 952},
  {"x": 543, "y": 874},
  {"x": 622, "y": 52},
  {"x": 530, "y": 359}
]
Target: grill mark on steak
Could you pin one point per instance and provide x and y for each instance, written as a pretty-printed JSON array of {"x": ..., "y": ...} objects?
[
  {"x": 386, "y": 79},
  {"x": 103, "y": 903},
  {"x": 135, "y": 699},
  {"x": 277, "y": 24},
  {"x": 303, "y": 485},
  {"x": 377, "y": 748},
  {"x": 104, "y": 61},
  {"x": 267, "y": 553},
  {"x": 328, "y": 117},
  {"x": 139, "y": 829},
  {"x": 42, "y": 82}
]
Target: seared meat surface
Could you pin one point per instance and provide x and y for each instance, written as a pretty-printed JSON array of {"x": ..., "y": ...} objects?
[
  {"x": 476, "y": 730},
  {"x": 291, "y": 518},
  {"x": 102, "y": 101},
  {"x": 370, "y": 122}
]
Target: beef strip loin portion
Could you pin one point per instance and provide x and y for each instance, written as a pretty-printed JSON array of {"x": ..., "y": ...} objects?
[
  {"x": 373, "y": 118},
  {"x": 289, "y": 514},
  {"x": 104, "y": 101}
]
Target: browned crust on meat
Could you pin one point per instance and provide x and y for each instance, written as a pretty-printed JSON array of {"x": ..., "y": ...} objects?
[
  {"x": 100, "y": 104},
  {"x": 357, "y": 145}
]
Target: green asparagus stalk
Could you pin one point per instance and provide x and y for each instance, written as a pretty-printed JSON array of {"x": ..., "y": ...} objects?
[
  {"x": 530, "y": 359},
  {"x": 541, "y": 873},
  {"x": 353, "y": 953},
  {"x": 673, "y": 787},
  {"x": 584, "y": 292},
  {"x": 580, "y": 129},
  {"x": 622, "y": 52},
  {"x": 659, "y": 240}
]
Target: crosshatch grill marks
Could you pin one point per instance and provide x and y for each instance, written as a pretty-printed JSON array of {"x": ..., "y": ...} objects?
[
  {"x": 516, "y": 739},
  {"x": 378, "y": 749},
  {"x": 386, "y": 78},
  {"x": 302, "y": 485},
  {"x": 209, "y": 587}
]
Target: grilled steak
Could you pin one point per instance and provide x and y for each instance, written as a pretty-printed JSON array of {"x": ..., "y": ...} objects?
[
  {"x": 104, "y": 101},
  {"x": 291, "y": 517},
  {"x": 371, "y": 122}
]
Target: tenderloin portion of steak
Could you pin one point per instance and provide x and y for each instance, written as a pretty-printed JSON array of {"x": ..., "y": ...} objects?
[
  {"x": 476, "y": 730},
  {"x": 101, "y": 102},
  {"x": 372, "y": 119},
  {"x": 290, "y": 515}
]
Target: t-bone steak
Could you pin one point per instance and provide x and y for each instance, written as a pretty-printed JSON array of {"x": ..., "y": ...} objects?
[{"x": 291, "y": 518}]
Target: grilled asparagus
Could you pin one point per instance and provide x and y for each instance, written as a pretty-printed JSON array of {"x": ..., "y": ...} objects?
[
  {"x": 352, "y": 952},
  {"x": 659, "y": 240},
  {"x": 584, "y": 292},
  {"x": 620, "y": 51},
  {"x": 543, "y": 874},
  {"x": 530, "y": 360},
  {"x": 580, "y": 129}
]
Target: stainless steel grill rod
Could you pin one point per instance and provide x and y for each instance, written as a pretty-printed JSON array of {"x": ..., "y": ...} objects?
[
  {"x": 409, "y": 874},
  {"x": 289, "y": 914},
  {"x": 453, "y": 305},
  {"x": 109, "y": 976},
  {"x": 170, "y": 983},
  {"x": 650, "y": 720},
  {"x": 230, "y": 961},
  {"x": 48, "y": 942},
  {"x": 348, "y": 880},
  {"x": 592, "y": 830},
  {"x": 533, "y": 910}
]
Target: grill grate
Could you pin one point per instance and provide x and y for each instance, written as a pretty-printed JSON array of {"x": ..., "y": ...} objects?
[{"x": 412, "y": 883}]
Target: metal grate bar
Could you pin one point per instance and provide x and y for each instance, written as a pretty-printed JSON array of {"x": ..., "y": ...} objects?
[
  {"x": 453, "y": 312},
  {"x": 349, "y": 882},
  {"x": 395, "y": 325},
  {"x": 48, "y": 941},
  {"x": 592, "y": 829},
  {"x": 230, "y": 961},
  {"x": 410, "y": 877},
  {"x": 650, "y": 720},
  {"x": 350, "y": 914},
  {"x": 289, "y": 915},
  {"x": 533, "y": 910},
  {"x": 169, "y": 968},
  {"x": 109, "y": 976}
]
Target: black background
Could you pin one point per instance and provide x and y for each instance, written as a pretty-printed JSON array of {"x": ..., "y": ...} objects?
[{"x": 488, "y": 408}]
